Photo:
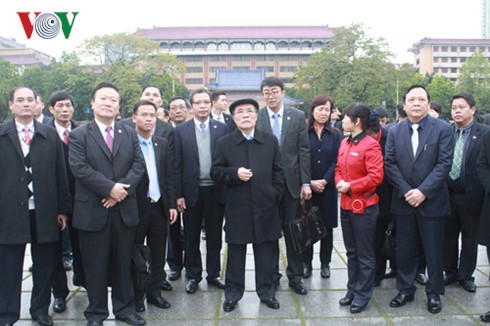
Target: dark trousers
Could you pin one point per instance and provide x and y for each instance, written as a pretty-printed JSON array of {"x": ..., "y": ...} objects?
[
  {"x": 12, "y": 261},
  {"x": 430, "y": 231},
  {"x": 468, "y": 224},
  {"x": 379, "y": 238},
  {"x": 111, "y": 245},
  {"x": 358, "y": 232},
  {"x": 153, "y": 227},
  {"x": 288, "y": 211},
  {"x": 235, "y": 270},
  {"x": 59, "y": 279},
  {"x": 175, "y": 257},
  {"x": 205, "y": 208},
  {"x": 326, "y": 247}
]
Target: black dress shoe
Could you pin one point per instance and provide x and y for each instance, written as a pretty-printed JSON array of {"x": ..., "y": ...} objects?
[
  {"x": 139, "y": 305},
  {"x": 133, "y": 319},
  {"x": 421, "y": 278},
  {"x": 298, "y": 287},
  {"x": 307, "y": 269},
  {"x": 165, "y": 285},
  {"x": 94, "y": 323},
  {"x": 449, "y": 279},
  {"x": 468, "y": 285},
  {"x": 59, "y": 305},
  {"x": 355, "y": 309},
  {"x": 43, "y": 320},
  {"x": 174, "y": 275},
  {"x": 400, "y": 300},
  {"x": 391, "y": 273},
  {"x": 217, "y": 282},
  {"x": 434, "y": 305},
  {"x": 325, "y": 271},
  {"x": 159, "y": 301},
  {"x": 191, "y": 286},
  {"x": 229, "y": 305},
  {"x": 271, "y": 303},
  {"x": 485, "y": 317},
  {"x": 346, "y": 301}
]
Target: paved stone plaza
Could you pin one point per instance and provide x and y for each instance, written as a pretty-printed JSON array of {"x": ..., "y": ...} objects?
[{"x": 319, "y": 307}]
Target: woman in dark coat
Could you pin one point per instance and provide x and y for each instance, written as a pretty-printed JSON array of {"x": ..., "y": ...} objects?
[
  {"x": 483, "y": 169},
  {"x": 324, "y": 147}
]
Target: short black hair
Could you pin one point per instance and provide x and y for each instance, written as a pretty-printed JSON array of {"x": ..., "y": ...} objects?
[
  {"x": 154, "y": 86},
  {"x": 15, "y": 89},
  {"x": 201, "y": 90},
  {"x": 143, "y": 102},
  {"x": 416, "y": 86},
  {"x": 175, "y": 98},
  {"x": 215, "y": 96},
  {"x": 106, "y": 85},
  {"x": 271, "y": 82},
  {"x": 60, "y": 96},
  {"x": 468, "y": 97}
]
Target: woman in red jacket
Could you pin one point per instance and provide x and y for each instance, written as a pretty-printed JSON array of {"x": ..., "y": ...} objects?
[{"x": 358, "y": 172}]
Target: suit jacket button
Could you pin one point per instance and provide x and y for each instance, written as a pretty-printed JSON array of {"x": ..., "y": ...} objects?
[
  {"x": 22, "y": 179},
  {"x": 22, "y": 203}
]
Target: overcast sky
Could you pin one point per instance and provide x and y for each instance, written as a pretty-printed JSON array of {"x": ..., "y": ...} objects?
[{"x": 401, "y": 22}]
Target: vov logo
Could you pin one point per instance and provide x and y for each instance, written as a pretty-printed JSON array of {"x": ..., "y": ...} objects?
[{"x": 47, "y": 25}]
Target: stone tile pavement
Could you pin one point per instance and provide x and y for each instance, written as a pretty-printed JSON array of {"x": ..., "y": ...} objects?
[{"x": 319, "y": 307}]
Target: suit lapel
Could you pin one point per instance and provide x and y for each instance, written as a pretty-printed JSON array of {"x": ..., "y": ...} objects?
[
  {"x": 286, "y": 121},
  {"x": 14, "y": 138},
  {"x": 213, "y": 128},
  {"x": 424, "y": 135},
  {"x": 118, "y": 138},
  {"x": 191, "y": 133},
  {"x": 158, "y": 153},
  {"x": 95, "y": 133},
  {"x": 264, "y": 121}
]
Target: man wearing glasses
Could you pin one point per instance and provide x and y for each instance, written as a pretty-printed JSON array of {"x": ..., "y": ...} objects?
[
  {"x": 197, "y": 195},
  {"x": 288, "y": 125}
]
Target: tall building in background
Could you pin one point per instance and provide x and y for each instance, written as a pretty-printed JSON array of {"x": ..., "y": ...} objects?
[
  {"x": 21, "y": 56},
  {"x": 445, "y": 57},
  {"x": 278, "y": 50},
  {"x": 485, "y": 19}
]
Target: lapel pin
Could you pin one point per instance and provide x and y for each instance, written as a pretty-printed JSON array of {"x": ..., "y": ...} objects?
[
  {"x": 474, "y": 137},
  {"x": 214, "y": 126},
  {"x": 289, "y": 118},
  {"x": 119, "y": 131},
  {"x": 156, "y": 144}
]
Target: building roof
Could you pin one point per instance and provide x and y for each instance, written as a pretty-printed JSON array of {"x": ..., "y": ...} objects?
[
  {"x": 10, "y": 43},
  {"x": 236, "y": 32},
  {"x": 238, "y": 80},
  {"x": 449, "y": 42},
  {"x": 27, "y": 59}
]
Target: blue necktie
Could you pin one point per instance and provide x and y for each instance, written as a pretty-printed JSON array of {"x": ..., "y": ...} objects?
[
  {"x": 151, "y": 168},
  {"x": 276, "y": 127}
]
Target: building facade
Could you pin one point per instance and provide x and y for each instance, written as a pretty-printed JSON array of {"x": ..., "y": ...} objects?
[
  {"x": 278, "y": 50},
  {"x": 445, "y": 57},
  {"x": 21, "y": 56}
]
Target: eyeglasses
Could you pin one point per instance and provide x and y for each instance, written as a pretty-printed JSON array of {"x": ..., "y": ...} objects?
[
  {"x": 243, "y": 111},
  {"x": 147, "y": 115},
  {"x": 202, "y": 102},
  {"x": 274, "y": 93}
]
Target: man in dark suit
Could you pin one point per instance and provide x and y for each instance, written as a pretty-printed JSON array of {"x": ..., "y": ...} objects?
[
  {"x": 197, "y": 195},
  {"x": 35, "y": 201},
  {"x": 417, "y": 162},
  {"x": 466, "y": 194},
  {"x": 289, "y": 127},
  {"x": 161, "y": 129},
  {"x": 218, "y": 109},
  {"x": 248, "y": 161},
  {"x": 156, "y": 200},
  {"x": 61, "y": 107},
  {"x": 106, "y": 160}
]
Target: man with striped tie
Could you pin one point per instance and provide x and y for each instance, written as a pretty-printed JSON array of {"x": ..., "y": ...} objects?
[{"x": 35, "y": 201}]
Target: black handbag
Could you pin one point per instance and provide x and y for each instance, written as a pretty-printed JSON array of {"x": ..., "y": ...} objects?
[
  {"x": 308, "y": 228},
  {"x": 388, "y": 251},
  {"x": 140, "y": 266}
]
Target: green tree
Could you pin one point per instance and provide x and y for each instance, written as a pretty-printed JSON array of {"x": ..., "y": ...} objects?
[
  {"x": 475, "y": 78},
  {"x": 8, "y": 80},
  {"x": 352, "y": 68}
]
